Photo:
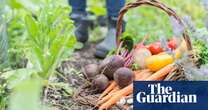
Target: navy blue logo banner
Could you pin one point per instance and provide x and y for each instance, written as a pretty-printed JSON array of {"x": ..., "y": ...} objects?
[{"x": 171, "y": 95}]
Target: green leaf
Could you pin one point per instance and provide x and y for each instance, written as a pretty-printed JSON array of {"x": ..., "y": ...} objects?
[
  {"x": 26, "y": 95},
  {"x": 50, "y": 38},
  {"x": 14, "y": 4},
  {"x": 3, "y": 46},
  {"x": 15, "y": 77},
  {"x": 31, "y": 27},
  {"x": 128, "y": 42},
  {"x": 99, "y": 11},
  {"x": 72, "y": 41}
]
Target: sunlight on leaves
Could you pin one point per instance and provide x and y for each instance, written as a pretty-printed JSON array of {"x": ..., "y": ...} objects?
[{"x": 26, "y": 96}]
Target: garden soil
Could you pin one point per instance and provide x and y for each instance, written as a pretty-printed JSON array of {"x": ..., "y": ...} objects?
[{"x": 71, "y": 72}]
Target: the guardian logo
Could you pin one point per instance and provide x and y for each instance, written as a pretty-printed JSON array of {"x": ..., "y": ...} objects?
[{"x": 164, "y": 94}]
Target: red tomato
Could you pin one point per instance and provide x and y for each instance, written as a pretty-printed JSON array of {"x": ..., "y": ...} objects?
[
  {"x": 155, "y": 48},
  {"x": 172, "y": 44}
]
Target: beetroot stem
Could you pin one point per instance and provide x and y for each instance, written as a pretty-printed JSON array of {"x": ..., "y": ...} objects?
[{"x": 119, "y": 48}]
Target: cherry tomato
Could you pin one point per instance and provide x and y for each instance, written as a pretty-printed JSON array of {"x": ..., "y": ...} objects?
[
  {"x": 155, "y": 48},
  {"x": 172, "y": 44}
]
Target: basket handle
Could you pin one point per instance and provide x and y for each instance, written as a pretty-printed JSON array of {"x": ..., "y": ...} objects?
[{"x": 154, "y": 3}]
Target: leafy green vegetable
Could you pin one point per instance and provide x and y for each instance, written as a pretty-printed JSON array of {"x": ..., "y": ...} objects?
[
  {"x": 201, "y": 48},
  {"x": 44, "y": 37},
  {"x": 50, "y": 38}
]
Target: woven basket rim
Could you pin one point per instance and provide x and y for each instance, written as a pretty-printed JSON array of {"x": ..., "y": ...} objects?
[{"x": 158, "y": 5}]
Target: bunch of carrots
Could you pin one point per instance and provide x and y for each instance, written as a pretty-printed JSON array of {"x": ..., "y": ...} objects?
[{"x": 112, "y": 94}]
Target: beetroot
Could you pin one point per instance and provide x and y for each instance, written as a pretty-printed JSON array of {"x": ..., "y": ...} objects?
[
  {"x": 100, "y": 82},
  {"x": 110, "y": 64},
  {"x": 90, "y": 71},
  {"x": 123, "y": 77}
]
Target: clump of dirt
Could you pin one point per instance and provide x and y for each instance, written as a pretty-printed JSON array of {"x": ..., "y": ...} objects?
[{"x": 83, "y": 57}]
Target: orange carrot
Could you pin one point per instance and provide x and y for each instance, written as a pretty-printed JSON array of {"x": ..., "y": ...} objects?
[
  {"x": 137, "y": 71},
  {"x": 142, "y": 75},
  {"x": 108, "y": 89},
  {"x": 104, "y": 99},
  {"x": 138, "y": 75},
  {"x": 161, "y": 78},
  {"x": 108, "y": 96},
  {"x": 117, "y": 96},
  {"x": 161, "y": 73},
  {"x": 146, "y": 75},
  {"x": 114, "y": 90},
  {"x": 112, "y": 98}
]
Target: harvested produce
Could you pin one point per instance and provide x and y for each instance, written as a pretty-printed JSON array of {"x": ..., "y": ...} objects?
[
  {"x": 155, "y": 48},
  {"x": 91, "y": 70},
  {"x": 114, "y": 90},
  {"x": 125, "y": 91},
  {"x": 142, "y": 75},
  {"x": 100, "y": 82},
  {"x": 172, "y": 44},
  {"x": 108, "y": 89},
  {"x": 139, "y": 56},
  {"x": 108, "y": 96},
  {"x": 157, "y": 62},
  {"x": 201, "y": 49},
  {"x": 141, "y": 44},
  {"x": 113, "y": 97},
  {"x": 182, "y": 48},
  {"x": 152, "y": 68},
  {"x": 116, "y": 97},
  {"x": 126, "y": 103},
  {"x": 161, "y": 73},
  {"x": 123, "y": 77},
  {"x": 110, "y": 64}
]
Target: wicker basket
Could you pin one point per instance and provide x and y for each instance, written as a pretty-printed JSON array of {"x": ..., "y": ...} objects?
[
  {"x": 170, "y": 12},
  {"x": 91, "y": 99}
]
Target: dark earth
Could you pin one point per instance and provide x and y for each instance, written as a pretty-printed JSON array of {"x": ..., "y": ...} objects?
[{"x": 70, "y": 72}]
